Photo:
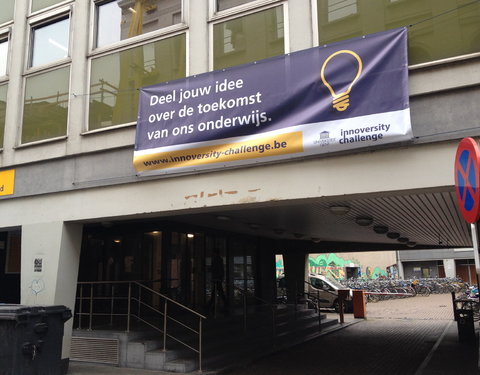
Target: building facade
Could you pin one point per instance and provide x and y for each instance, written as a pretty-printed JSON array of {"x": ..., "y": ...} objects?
[
  {"x": 73, "y": 208},
  {"x": 451, "y": 263}
]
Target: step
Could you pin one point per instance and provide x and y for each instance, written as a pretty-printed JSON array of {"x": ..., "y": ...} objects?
[
  {"x": 136, "y": 352},
  {"x": 180, "y": 365},
  {"x": 156, "y": 359}
]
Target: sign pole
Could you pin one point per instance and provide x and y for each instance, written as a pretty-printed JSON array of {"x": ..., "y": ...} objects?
[{"x": 475, "y": 238}]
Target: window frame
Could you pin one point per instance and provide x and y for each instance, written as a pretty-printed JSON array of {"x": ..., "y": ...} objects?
[
  {"x": 6, "y": 35},
  {"x": 48, "y": 8},
  {"x": 10, "y": 22},
  {"x": 2, "y": 141},
  {"x": 62, "y": 10},
  {"x": 136, "y": 40},
  {"x": 45, "y": 19},
  {"x": 411, "y": 67},
  {"x": 37, "y": 72},
  {"x": 243, "y": 11},
  {"x": 250, "y": 6},
  {"x": 124, "y": 47}
]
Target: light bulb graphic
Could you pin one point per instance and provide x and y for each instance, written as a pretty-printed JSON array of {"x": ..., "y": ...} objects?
[{"x": 341, "y": 100}]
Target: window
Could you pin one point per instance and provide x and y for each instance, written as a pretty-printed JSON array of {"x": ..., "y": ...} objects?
[
  {"x": 440, "y": 29},
  {"x": 14, "y": 250},
  {"x": 226, "y": 4},
  {"x": 3, "y": 56},
  {"x": 3, "y": 107},
  {"x": 40, "y": 4},
  {"x": 338, "y": 9},
  {"x": 6, "y": 10},
  {"x": 50, "y": 42},
  {"x": 116, "y": 78},
  {"x": 45, "y": 107},
  {"x": 249, "y": 38},
  {"x": 123, "y": 19}
]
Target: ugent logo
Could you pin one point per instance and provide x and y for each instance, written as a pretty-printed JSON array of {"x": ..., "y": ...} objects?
[{"x": 340, "y": 100}]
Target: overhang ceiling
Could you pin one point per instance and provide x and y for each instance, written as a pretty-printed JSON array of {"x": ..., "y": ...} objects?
[{"x": 427, "y": 219}]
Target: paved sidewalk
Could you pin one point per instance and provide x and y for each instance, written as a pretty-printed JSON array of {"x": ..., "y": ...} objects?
[{"x": 414, "y": 336}]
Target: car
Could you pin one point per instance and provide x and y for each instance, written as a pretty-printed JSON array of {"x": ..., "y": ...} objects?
[
  {"x": 320, "y": 290},
  {"x": 325, "y": 291}
]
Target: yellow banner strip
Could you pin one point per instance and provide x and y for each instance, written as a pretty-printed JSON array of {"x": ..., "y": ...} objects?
[{"x": 280, "y": 144}]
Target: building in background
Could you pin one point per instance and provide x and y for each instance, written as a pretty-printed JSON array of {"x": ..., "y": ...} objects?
[{"x": 439, "y": 263}]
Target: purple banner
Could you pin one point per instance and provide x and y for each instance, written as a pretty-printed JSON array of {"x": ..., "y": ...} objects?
[{"x": 307, "y": 99}]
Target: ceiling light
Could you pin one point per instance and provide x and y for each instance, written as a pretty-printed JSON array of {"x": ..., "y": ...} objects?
[
  {"x": 411, "y": 244},
  {"x": 190, "y": 235},
  {"x": 254, "y": 225},
  {"x": 316, "y": 239},
  {"x": 364, "y": 221},
  {"x": 298, "y": 235},
  {"x": 403, "y": 239},
  {"x": 339, "y": 210},
  {"x": 279, "y": 231},
  {"x": 393, "y": 235},
  {"x": 380, "y": 229},
  {"x": 223, "y": 218}
]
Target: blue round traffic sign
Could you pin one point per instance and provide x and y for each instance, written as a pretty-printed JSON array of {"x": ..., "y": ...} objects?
[{"x": 467, "y": 179}]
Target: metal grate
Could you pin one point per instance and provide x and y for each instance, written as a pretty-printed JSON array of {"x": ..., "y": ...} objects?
[{"x": 97, "y": 350}]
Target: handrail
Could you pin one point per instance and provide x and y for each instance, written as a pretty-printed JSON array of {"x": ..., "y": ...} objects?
[
  {"x": 269, "y": 304},
  {"x": 317, "y": 302},
  {"x": 169, "y": 299},
  {"x": 137, "y": 298}
]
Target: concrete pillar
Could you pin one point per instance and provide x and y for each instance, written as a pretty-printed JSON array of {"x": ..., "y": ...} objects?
[
  {"x": 302, "y": 31},
  {"x": 450, "y": 267},
  {"x": 401, "y": 273},
  {"x": 197, "y": 19},
  {"x": 49, "y": 272},
  {"x": 295, "y": 268},
  {"x": 266, "y": 266}
]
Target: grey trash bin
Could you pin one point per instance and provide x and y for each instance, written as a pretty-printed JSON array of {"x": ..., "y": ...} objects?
[
  {"x": 31, "y": 339},
  {"x": 466, "y": 328}
]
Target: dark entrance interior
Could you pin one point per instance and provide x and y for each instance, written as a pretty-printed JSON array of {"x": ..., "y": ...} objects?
[
  {"x": 175, "y": 260},
  {"x": 10, "y": 261}
]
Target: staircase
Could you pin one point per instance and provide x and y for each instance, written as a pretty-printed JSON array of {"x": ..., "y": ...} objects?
[{"x": 228, "y": 341}]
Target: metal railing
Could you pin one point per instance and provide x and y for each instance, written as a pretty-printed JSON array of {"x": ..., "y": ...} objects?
[
  {"x": 109, "y": 301},
  {"x": 313, "y": 300},
  {"x": 269, "y": 305}
]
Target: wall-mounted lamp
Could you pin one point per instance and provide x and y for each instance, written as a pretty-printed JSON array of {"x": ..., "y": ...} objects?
[
  {"x": 339, "y": 210},
  {"x": 393, "y": 235},
  {"x": 380, "y": 229},
  {"x": 364, "y": 221}
]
